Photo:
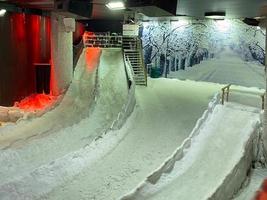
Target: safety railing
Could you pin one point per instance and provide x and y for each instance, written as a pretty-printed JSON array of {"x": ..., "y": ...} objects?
[
  {"x": 263, "y": 100},
  {"x": 225, "y": 91},
  {"x": 130, "y": 43},
  {"x": 102, "y": 40},
  {"x": 139, "y": 46}
]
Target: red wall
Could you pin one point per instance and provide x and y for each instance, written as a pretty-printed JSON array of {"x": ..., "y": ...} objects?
[
  {"x": 77, "y": 35},
  {"x": 24, "y": 40}
]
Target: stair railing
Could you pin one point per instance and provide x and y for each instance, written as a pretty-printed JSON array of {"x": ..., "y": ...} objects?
[
  {"x": 225, "y": 91},
  {"x": 263, "y": 100},
  {"x": 140, "y": 49}
]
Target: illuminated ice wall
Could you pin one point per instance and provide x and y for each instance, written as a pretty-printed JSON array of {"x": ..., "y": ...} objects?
[{"x": 175, "y": 46}]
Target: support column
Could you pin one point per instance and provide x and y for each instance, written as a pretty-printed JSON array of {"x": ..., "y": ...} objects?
[{"x": 61, "y": 55}]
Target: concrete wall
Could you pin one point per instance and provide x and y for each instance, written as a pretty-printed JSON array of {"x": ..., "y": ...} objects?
[{"x": 61, "y": 55}]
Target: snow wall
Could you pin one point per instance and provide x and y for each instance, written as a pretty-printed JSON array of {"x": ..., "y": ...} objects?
[
  {"x": 241, "y": 171},
  {"x": 235, "y": 179}
]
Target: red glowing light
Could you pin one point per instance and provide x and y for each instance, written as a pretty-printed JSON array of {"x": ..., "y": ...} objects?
[
  {"x": 262, "y": 195},
  {"x": 92, "y": 57},
  {"x": 18, "y": 26},
  {"x": 36, "y": 102},
  {"x": 79, "y": 31}
]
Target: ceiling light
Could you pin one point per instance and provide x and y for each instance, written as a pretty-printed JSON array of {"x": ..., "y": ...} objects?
[
  {"x": 116, "y": 5},
  {"x": 215, "y": 15},
  {"x": 2, "y": 12},
  {"x": 222, "y": 25}
]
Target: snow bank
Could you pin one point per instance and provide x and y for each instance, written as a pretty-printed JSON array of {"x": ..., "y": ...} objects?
[
  {"x": 75, "y": 106},
  {"x": 179, "y": 153},
  {"x": 44, "y": 178},
  {"x": 127, "y": 108},
  {"x": 235, "y": 179},
  {"x": 32, "y": 106}
]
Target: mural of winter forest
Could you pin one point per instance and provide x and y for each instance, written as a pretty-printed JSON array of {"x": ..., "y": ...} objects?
[{"x": 223, "y": 51}]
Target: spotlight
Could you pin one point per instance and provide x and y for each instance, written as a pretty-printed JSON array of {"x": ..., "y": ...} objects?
[
  {"x": 116, "y": 5},
  {"x": 215, "y": 15},
  {"x": 2, "y": 12}
]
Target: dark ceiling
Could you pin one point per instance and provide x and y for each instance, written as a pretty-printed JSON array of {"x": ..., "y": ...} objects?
[
  {"x": 233, "y": 8},
  {"x": 36, "y": 4},
  {"x": 194, "y": 8}
]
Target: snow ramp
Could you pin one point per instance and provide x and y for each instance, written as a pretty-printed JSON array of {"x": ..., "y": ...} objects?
[
  {"x": 74, "y": 106},
  {"x": 212, "y": 163},
  {"x": 97, "y": 100}
]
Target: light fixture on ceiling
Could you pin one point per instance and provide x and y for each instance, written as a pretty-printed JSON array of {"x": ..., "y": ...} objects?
[
  {"x": 2, "y": 12},
  {"x": 116, "y": 5},
  {"x": 181, "y": 24},
  {"x": 215, "y": 15}
]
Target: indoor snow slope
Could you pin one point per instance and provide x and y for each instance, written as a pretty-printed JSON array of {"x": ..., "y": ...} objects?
[
  {"x": 224, "y": 71},
  {"x": 213, "y": 164},
  {"x": 164, "y": 116},
  {"x": 36, "y": 153},
  {"x": 74, "y": 106}
]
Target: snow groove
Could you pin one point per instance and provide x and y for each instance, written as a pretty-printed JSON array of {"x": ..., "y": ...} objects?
[{"x": 179, "y": 153}]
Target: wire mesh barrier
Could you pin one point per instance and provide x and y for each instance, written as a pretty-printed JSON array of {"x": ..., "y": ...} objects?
[{"x": 102, "y": 40}]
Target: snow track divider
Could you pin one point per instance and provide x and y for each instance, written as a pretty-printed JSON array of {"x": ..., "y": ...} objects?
[{"x": 128, "y": 107}]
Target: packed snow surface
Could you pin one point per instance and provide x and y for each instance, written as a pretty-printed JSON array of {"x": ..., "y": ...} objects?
[
  {"x": 211, "y": 157},
  {"x": 228, "y": 68},
  {"x": 164, "y": 116},
  {"x": 71, "y": 153},
  {"x": 78, "y": 125},
  {"x": 71, "y": 167}
]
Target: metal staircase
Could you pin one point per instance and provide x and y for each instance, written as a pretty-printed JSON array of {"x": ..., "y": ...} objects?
[{"x": 133, "y": 51}]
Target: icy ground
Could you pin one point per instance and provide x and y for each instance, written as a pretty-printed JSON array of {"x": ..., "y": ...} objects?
[
  {"x": 52, "y": 164},
  {"x": 228, "y": 68},
  {"x": 65, "y": 155},
  {"x": 210, "y": 160}
]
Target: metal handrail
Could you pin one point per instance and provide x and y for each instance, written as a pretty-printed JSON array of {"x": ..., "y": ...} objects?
[
  {"x": 263, "y": 100},
  {"x": 225, "y": 90},
  {"x": 139, "y": 44}
]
